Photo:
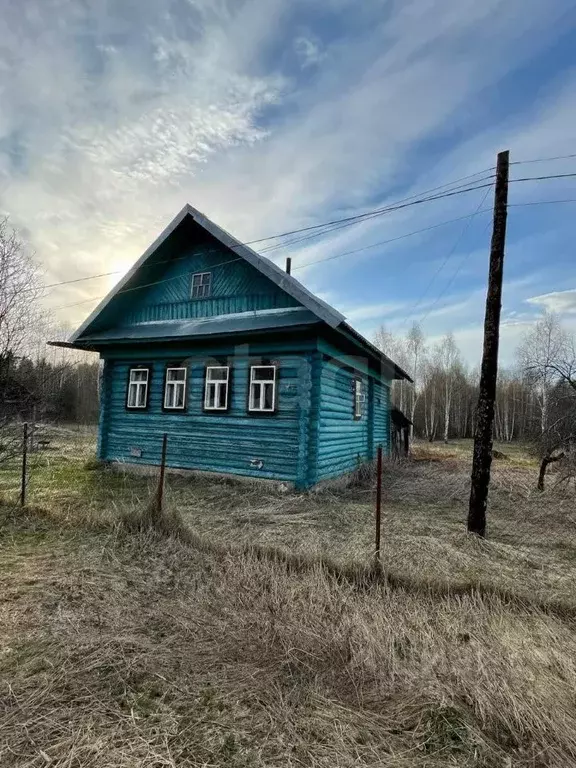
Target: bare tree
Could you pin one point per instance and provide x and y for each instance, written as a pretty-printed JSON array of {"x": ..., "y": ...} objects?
[
  {"x": 395, "y": 348},
  {"x": 20, "y": 288},
  {"x": 542, "y": 355},
  {"x": 548, "y": 357},
  {"x": 415, "y": 348},
  {"x": 449, "y": 359}
]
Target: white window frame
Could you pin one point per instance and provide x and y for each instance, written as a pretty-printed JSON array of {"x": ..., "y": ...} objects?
[
  {"x": 217, "y": 383},
  {"x": 175, "y": 385},
  {"x": 260, "y": 385},
  {"x": 358, "y": 398},
  {"x": 201, "y": 286},
  {"x": 138, "y": 384}
]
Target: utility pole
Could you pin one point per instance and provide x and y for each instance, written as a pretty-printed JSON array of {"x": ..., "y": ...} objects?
[{"x": 487, "y": 392}]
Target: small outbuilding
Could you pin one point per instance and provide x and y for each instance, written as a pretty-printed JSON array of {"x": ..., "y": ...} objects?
[
  {"x": 247, "y": 371},
  {"x": 399, "y": 433}
]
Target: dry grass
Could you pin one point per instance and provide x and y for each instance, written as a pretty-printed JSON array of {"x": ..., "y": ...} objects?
[
  {"x": 530, "y": 551},
  {"x": 134, "y": 649}
]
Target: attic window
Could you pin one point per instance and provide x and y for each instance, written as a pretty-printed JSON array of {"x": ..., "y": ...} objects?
[{"x": 201, "y": 285}]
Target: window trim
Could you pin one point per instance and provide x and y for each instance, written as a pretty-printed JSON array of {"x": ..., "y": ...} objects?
[
  {"x": 200, "y": 274},
  {"x": 177, "y": 408},
  {"x": 217, "y": 409},
  {"x": 274, "y": 381},
  {"x": 148, "y": 369},
  {"x": 358, "y": 414}
]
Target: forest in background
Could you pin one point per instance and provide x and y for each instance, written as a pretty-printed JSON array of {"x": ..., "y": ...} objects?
[
  {"x": 535, "y": 402},
  {"x": 536, "y": 399}
]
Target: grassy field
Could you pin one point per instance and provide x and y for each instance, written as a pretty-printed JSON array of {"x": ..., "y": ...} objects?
[
  {"x": 207, "y": 647},
  {"x": 133, "y": 649},
  {"x": 530, "y": 550}
]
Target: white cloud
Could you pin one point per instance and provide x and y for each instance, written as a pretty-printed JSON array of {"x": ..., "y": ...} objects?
[
  {"x": 125, "y": 115},
  {"x": 373, "y": 311},
  {"x": 557, "y": 301},
  {"x": 309, "y": 50}
]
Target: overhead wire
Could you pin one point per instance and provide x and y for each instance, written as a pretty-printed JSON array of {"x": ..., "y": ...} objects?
[
  {"x": 463, "y": 260},
  {"x": 542, "y": 202},
  {"x": 229, "y": 261},
  {"x": 544, "y": 178},
  {"x": 325, "y": 228},
  {"x": 371, "y": 215},
  {"x": 386, "y": 242},
  {"x": 543, "y": 159},
  {"x": 464, "y": 230},
  {"x": 345, "y": 222}
]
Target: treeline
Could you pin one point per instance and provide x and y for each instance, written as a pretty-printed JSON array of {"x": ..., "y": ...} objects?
[
  {"x": 57, "y": 391},
  {"x": 534, "y": 399}
]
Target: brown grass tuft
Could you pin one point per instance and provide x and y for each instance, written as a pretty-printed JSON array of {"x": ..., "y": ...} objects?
[{"x": 142, "y": 650}]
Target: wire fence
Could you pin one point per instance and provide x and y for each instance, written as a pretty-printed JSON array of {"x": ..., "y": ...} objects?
[{"x": 421, "y": 533}]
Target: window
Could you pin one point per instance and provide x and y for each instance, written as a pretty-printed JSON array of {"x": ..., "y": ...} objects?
[
  {"x": 358, "y": 398},
  {"x": 216, "y": 388},
  {"x": 201, "y": 284},
  {"x": 262, "y": 388},
  {"x": 138, "y": 388},
  {"x": 175, "y": 389}
]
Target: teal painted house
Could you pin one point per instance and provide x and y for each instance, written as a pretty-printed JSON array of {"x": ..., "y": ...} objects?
[{"x": 246, "y": 371}]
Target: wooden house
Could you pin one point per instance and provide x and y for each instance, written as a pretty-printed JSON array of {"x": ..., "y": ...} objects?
[{"x": 245, "y": 369}]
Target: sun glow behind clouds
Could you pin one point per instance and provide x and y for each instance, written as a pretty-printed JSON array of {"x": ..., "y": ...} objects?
[{"x": 270, "y": 115}]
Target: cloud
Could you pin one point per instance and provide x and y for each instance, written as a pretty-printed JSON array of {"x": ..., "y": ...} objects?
[
  {"x": 557, "y": 301},
  {"x": 309, "y": 51},
  {"x": 373, "y": 311},
  {"x": 114, "y": 115}
]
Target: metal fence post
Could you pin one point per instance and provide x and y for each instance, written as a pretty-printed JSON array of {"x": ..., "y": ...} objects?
[
  {"x": 160, "y": 492},
  {"x": 24, "y": 464},
  {"x": 378, "y": 501}
]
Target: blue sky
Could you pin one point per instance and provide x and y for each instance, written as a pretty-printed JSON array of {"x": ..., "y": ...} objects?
[{"x": 269, "y": 115}]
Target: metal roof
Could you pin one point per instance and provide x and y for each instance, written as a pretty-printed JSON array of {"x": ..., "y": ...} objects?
[
  {"x": 283, "y": 280},
  {"x": 207, "y": 326},
  {"x": 312, "y": 310}
]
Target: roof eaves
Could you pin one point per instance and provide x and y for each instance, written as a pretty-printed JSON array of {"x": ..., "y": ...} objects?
[{"x": 401, "y": 373}]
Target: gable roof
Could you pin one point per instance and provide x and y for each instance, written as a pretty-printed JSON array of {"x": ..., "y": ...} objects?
[
  {"x": 278, "y": 276},
  {"x": 314, "y": 309}
]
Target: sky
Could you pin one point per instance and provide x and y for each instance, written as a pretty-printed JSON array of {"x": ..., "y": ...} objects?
[{"x": 272, "y": 115}]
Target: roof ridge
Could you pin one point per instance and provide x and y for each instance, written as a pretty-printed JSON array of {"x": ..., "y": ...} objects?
[{"x": 272, "y": 271}]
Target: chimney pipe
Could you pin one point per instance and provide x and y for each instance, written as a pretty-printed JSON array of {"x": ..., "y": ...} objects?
[{"x": 288, "y": 265}]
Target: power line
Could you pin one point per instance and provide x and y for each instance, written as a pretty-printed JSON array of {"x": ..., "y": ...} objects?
[
  {"x": 543, "y": 178},
  {"x": 463, "y": 260},
  {"x": 82, "y": 279},
  {"x": 544, "y": 159},
  {"x": 541, "y": 202},
  {"x": 449, "y": 255},
  {"x": 229, "y": 261},
  {"x": 371, "y": 215},
  {"x": 331, "y": 226},
  {"x": 385, "y": 242},
  {"x": 351, "y": 219},
  {"x": 377, "y": 211}
]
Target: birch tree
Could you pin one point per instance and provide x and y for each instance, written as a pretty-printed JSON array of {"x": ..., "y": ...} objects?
[
  {"x": 541, "y": 352},
  {"x": 449, "y": 358},
  {"x": 415, "y": 350}
]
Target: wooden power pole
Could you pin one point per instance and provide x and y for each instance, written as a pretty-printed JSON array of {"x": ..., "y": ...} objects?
[{"x": 489, "y": 371}]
